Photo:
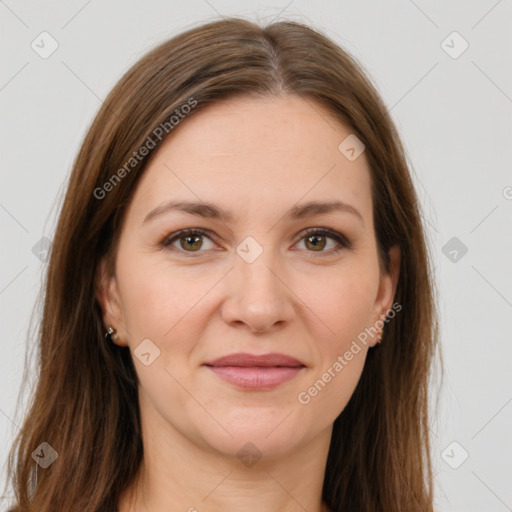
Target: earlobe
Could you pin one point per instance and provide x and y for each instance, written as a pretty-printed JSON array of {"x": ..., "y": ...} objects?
[
  {"x": 395, "y": 257},
  {"x": 388, "y": 285},
  {"x": 390, "y": 279},
  {"x": 107, "y": 294}
]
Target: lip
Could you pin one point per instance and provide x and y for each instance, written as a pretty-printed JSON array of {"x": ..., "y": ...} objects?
[
  {"x": 255, "y": 372},
  {"x": 242, "y": 359}
]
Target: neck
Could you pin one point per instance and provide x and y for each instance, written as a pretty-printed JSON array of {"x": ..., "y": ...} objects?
[{"x": 179, "y": 474}]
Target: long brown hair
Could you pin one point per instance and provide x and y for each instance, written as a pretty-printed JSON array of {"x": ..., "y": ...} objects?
[{"x": 85, "y": 404}]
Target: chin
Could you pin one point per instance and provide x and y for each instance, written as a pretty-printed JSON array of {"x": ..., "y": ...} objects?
[
  {"x": 252, "y": 433},
  {"x": 253, "y": 446}
]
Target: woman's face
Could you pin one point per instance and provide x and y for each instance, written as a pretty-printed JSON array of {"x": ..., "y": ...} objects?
[{"x": 261, "y": 277}]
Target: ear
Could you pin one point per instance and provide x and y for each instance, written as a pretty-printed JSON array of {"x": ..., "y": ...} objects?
[
  {"x": 107, "y": 293},
  {"x": 387, "y": 288}
]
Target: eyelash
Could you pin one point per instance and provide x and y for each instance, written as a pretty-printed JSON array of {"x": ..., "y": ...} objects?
[{"x": 343, "y": 242}]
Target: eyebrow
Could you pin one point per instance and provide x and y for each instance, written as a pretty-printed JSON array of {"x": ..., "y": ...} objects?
[{"x": 211, "y": 211}]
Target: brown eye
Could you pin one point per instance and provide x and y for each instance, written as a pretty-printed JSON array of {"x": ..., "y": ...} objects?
[
  {"x": 324, "y": 241},
  {"x": 316, "y": 242},
  {"x": 190, "y": 240}
]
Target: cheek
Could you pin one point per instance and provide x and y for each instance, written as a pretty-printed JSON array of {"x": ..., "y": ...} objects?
[
  {"x": 332, "y": 391},
  {"x": 345, "y": 310},
  {"x": 342, "y": 302},
  {"x": 163, "y": 305},
  {"x": 158, "y": 300}
]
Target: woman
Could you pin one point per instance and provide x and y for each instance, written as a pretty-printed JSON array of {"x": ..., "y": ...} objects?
[{"x": 239, "y": 309}]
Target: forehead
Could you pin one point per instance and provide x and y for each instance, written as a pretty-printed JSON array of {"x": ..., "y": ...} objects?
[{"x": 256, "y": 152}]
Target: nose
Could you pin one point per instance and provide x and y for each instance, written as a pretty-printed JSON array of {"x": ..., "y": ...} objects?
[{"x": 257, "y": 295}]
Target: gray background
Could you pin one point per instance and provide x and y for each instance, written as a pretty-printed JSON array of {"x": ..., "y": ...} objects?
[{"x": 454, "y": 115}]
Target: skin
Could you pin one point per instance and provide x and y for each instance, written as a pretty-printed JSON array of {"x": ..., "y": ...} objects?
[{"x": 255, "y": 158}]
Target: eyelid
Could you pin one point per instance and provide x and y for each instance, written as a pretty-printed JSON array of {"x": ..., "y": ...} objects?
[
  {"x": 168, "y": 240},
  {"x": 340, "y": 238},
  {"x": 343, "y": 242}
]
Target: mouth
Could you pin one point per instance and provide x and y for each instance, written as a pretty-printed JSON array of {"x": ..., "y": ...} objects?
[{"x": 254, "y": 372}]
